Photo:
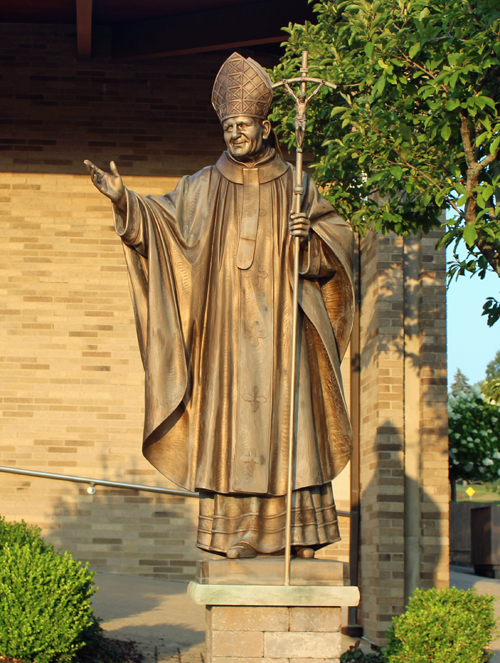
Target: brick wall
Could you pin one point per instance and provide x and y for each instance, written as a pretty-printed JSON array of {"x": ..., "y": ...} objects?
[
  {"x": 402, "y": 341},
  {"x": 152, "y": 117},
  {"x": 71, "y": 395},
  {"x": 434, "y": 417}
]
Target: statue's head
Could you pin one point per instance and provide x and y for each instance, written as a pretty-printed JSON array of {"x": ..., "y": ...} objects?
[
  {"x": 241, "y": 96},
  {"x": 245, "y": 135}
]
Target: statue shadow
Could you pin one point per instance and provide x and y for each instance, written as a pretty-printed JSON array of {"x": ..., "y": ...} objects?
[{"x": 401, "y": 526}]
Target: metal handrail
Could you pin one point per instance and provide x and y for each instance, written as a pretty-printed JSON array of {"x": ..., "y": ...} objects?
[
  {"x": 98, "y": 482},
  {"x": 112, "y": 484}
]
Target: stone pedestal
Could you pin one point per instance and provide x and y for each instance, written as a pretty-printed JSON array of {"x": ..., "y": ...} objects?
[{"x": 270, "y": 623}]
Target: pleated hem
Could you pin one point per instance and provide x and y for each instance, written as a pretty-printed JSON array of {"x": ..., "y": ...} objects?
[{"x": 260, "y": 521}]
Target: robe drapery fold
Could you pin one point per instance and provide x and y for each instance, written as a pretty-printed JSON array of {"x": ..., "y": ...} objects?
[{"x": 210, "y": 279}]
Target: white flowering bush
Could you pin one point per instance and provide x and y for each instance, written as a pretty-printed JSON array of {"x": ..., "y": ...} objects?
[{"x": 474, "y": 431}]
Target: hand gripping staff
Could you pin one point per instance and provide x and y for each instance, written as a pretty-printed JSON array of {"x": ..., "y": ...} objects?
[{"x": 301, "y": 102}]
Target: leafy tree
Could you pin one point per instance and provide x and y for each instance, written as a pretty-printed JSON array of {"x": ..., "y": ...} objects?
[
  {"x": 493, "y": 367},
  {"x": 491, "y": 385},
  {"x": 474, "y": 430},
  {"x": 413, "y": 128},
  {"x": 460, "y": 384}
]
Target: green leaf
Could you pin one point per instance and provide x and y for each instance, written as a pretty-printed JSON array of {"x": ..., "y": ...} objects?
[
  {"x": 446, "y": 131},
  {"x": 470, "y": 235},
  {"x": 482, "y": 137},
  {"x": 489, "y": 102},
  {"x": 488, "y": 191},
  {"x": 452, "y": 104},
  {"x": 397, "y": 171},
  {"x": 494, "y": 145},
  {"x": 454, "y": 79},
  {"x": 369, "y": 49},
  {"x": 414, "y": 50}
]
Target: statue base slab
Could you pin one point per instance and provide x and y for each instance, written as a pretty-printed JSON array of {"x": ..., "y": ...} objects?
[
  {"x": 271, "y": 571},
  {"x": 269, "y": 622}
]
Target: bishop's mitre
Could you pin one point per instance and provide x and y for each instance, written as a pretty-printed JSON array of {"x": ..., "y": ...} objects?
[{"x": 242, "y": 87}]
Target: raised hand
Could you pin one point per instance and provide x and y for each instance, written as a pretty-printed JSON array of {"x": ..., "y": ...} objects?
[
  {"x": 110, "y": 184},
  {"x": 299, "y": 225}
]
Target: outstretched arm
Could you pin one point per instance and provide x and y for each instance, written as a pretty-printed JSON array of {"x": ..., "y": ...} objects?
[{"x": 109, "y": 184}]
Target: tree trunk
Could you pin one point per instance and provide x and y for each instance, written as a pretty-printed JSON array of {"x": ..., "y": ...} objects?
[{"x": 453, "y": 483}]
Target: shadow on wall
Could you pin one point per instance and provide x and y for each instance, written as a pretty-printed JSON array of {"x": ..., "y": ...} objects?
[
  {"x": 128, "y": 531},
  {"x": 385, "y": 277},
  {"x": 395, "y": 561}
]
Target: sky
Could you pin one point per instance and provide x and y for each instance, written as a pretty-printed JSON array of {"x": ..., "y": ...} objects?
[{"x": 471, "y": 343}]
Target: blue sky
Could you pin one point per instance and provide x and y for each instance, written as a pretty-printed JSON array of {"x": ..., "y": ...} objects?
[{"x": 471, "y": 343}]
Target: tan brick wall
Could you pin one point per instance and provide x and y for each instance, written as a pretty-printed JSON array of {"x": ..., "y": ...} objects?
[
  {"x": 71, "y": 394},
  {"x": 153, "y": 117},
  {"x": 382, "y": 479},
  {"x": 72, "y": 382},
  {"x": 240, "y": 634},
  {"x": 434, "y": 417},
  {"x": 386, "y": 412}
]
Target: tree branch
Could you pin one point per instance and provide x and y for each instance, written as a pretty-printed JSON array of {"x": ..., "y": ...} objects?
[
  {"x": 465, "y": 133},
  {"x": 490, "y": 253},
  {"x": 418, "y": 66}
]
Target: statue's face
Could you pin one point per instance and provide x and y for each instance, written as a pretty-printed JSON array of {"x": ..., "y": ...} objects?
[{"x": 245, "y": 136}]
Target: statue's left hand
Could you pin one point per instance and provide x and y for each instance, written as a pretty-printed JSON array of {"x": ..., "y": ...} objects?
[{"x": 299, "y": 225}]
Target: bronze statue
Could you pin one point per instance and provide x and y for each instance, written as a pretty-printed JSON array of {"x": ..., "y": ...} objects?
[{"x": 210, "y": 274}]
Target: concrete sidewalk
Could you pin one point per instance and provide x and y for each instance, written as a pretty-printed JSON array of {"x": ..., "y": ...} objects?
[
  {"x": 157, "y": 614},
  {"x": 168, "y": 626},
  {"x": 464, "y": 578}
]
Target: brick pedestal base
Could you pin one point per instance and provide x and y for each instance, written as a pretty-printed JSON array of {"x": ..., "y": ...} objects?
[
  {"x": 256, "y": 634},
  {"x": 270, "y": 623}
]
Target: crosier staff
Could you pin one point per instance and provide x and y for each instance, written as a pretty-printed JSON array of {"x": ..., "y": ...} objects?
[{"x": 301, "y": 102}]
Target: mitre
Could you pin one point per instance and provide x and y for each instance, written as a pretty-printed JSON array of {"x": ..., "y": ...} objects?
[{"x": 242, "y": 87}]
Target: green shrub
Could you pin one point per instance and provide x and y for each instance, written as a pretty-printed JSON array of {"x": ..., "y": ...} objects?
[
  {"x": 22, "y": 534},
  {"x": 355, "y": 655},
  {"x": 446, "y": 626},
  {"x": 45, "y": 609}
]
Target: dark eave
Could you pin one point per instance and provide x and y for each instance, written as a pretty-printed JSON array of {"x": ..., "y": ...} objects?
[
  {"x": 212, "y": 29},
  {"x": 159, "y": 28}
]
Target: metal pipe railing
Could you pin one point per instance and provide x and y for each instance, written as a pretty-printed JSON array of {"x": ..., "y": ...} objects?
[
  {"x": 111, "y": 484},
  {"x": 98, "y": 482}
]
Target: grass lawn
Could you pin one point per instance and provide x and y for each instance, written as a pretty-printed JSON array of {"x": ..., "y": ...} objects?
[{"x": 484, "y": 493}]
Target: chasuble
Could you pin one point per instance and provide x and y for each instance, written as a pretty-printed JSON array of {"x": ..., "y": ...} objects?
[{"x": 210, "y": 275}]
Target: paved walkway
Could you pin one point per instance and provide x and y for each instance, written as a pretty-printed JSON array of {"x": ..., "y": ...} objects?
[
  {"x": 169, "y": 627},
  {"x": 157, "y": 614},
  {"x": 464, "y": 578}
]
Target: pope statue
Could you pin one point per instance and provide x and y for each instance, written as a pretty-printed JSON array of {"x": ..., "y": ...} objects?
[{"x": 210, "y": 274}]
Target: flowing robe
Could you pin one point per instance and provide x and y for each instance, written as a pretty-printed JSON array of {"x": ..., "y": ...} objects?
[{"x": 213, "y": 313}]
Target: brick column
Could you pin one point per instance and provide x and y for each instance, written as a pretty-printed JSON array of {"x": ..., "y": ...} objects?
[
  {"x": 434, "y": 563},
  {"x": 404, "y": 484}
]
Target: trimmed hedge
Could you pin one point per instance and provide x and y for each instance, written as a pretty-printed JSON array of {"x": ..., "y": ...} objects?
[
  {"x": 445, "y": 626},
  {"x": 45, "y": 608}
]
